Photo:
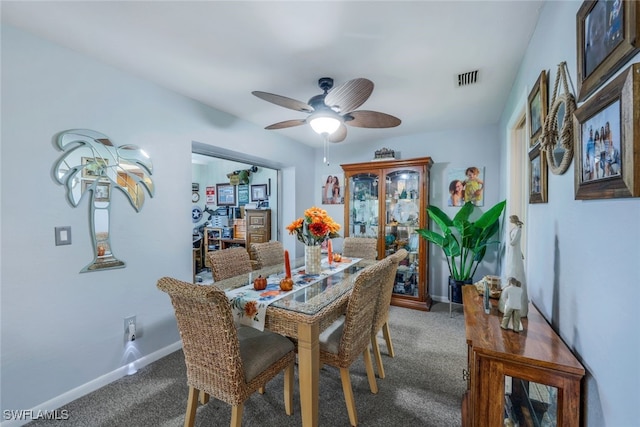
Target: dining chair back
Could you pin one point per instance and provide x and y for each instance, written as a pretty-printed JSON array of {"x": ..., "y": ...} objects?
[
  {"x": 381, "y": 317},
  {"x": 360, "y": 247},
  {"x": 223, "y": 361},
  {"x": 226, "y": 263},
  {"x": 349, "y": 336},
  {"x": 267, "y": 253}
]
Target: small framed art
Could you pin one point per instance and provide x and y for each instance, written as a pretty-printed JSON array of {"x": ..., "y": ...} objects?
[
  {"x": 225, "y": 195},
  {"x": 537, "y": 176},
  {"x": 608, "y": 34},
  {"x": 607, "y": 139},
  {"x": 537, "y": 109},
  {"x": 258, "y": 192}
]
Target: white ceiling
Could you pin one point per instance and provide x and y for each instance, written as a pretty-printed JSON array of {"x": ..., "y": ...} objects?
[{"x": 218, "y": 52}]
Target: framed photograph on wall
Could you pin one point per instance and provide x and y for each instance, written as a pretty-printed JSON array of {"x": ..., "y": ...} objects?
[
  {"x": 537, "y": 176},
  {"x": 225, "y": 195},
  {"x": 608, "y": 34},
  {"x": 333, "y": 188},
  {"x": 258, "y": 192},
  {"x": 607, "y": 136},
  {"x": 243, "y": 194},
  {"x": 537, "y": 109}
]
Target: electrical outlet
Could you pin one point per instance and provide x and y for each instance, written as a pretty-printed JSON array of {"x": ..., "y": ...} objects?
[{"x": 127, "y": 321}]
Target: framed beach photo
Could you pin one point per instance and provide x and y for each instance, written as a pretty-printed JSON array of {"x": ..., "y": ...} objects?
[
  {"x": 258, "y": 192},
  {"x": 225, "y": 195},
  {"x": 537, "y": 176},
  {"x": 537, "y": 109},
  {"x": 607, "y": 136},
  {"x": 608, "y": 34}
]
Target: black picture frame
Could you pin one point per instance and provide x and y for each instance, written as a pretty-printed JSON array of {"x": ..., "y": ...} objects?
[
  {"x": 258, "y": 192},
  {"x": 606, "y": 38},
  {"x": 618, "y": 175},
  {"x": 225, "y": 195},
  {"x": 537, "y": 176}
]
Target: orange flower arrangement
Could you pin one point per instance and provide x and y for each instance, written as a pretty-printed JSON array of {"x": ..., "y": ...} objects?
[{"x": 314, "y": 227}]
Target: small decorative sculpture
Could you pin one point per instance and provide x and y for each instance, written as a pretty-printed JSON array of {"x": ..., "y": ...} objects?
[
  {"x": 515, "y": 265},
  {"x": 513, "y": 302}
]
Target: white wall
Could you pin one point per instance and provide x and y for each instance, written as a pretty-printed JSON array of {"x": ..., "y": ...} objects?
[
  {"x": 62, "y": 329},
  {"x": 582, "y": 268}
]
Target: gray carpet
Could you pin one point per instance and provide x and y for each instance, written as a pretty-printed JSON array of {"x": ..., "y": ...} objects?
[{"x": 423, "y": 386}]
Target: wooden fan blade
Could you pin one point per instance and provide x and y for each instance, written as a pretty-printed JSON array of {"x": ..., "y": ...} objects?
[
  {"x": 371, "y": 119},
  {"x": 339, "y": 135},
  {"x": 283, "y": 101},
  {"x": 286, "y": 124},
  {"x": 349, "y": 96}
]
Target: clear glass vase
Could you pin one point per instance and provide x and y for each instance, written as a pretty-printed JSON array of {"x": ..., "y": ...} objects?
[{"x": 312, "y": 257}]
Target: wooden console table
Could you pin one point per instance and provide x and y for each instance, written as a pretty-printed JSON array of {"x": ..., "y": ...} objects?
[{"x": 527, "y": 376}]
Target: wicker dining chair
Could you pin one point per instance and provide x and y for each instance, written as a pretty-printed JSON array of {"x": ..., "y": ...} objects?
[
  {"x": 381, "y": 317},
  {"x": 348, "y": 337},
  {"x": 360, "y": 247},
  {"x": 229, "y": 262},
  {"x": 267, "y": 253},
  {"x": 223, "y": 361}
]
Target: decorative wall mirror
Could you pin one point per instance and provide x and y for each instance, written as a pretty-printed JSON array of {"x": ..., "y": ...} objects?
[
  {"x": 557, "y": 136},
  {"x": 101, "y": 167}
]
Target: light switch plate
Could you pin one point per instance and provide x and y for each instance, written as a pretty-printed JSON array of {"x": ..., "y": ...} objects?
[{"x": 63, "y": 235}]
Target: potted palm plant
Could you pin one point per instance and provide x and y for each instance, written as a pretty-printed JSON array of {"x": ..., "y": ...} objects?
[{"x": 463, "y": 242}]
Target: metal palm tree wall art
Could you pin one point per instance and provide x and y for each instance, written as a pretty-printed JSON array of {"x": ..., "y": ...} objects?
[{"x": 92, "y": 160}]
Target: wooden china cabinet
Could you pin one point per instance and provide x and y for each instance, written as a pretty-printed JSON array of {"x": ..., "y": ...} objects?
[{"x": 387, "y": 200}]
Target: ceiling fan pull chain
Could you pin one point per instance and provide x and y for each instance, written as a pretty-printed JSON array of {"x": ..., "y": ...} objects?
[{"x": 325, "y": 137}]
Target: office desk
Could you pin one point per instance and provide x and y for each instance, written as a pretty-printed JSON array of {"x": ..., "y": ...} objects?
[{"x": 302, "y": 315}]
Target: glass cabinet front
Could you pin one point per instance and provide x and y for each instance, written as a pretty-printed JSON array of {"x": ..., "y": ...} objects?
[
  {"x": 363, "y": 200},
  {"x": 530, "y": 403},
  {"x": 387, "y": 201},
  {"x": 402, "y": 218}
]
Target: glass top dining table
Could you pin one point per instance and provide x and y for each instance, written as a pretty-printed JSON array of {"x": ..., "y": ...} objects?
[{"x": 302, "y": 315}]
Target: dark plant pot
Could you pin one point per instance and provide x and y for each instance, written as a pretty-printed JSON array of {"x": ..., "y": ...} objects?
[{"x": 456, "y": 289}]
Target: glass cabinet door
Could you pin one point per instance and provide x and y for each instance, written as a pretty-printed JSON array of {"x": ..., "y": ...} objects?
[
  {"x": 363, "y": 204},
  {"x": 530, "y": 403},
  {"x": 402, "y": 218}
]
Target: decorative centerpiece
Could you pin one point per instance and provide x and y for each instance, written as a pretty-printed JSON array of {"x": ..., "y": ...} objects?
[{"x": 312, "y": 229}]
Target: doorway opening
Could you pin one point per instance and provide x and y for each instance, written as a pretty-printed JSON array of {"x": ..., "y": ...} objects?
[{"x": 225, "y": 193}]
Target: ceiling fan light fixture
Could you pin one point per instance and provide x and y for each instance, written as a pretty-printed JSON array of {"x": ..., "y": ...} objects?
[{"x": 323, "y": 123}]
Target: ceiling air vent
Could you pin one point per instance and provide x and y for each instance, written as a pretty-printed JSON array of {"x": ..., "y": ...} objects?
[{"x": 466, "y": 79}]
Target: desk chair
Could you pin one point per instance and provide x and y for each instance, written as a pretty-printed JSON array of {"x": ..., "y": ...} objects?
[
  {"x": 224, "y": 362},
  {"x": 267, "y": 253},
  {"x": 349, "y": 336},
  {"x": 381, "y": 318},
  {"x": 229, "y": 262},
  {"x": 360, "y": 247}
]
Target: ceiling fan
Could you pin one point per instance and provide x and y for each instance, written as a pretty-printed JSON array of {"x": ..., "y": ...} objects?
[{"x": 330, "y": 111}]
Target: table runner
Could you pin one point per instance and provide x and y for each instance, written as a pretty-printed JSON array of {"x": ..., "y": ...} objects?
[{"x": 249, "y": 306}]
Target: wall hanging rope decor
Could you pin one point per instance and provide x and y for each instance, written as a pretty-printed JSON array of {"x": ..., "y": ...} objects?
[{"x": 559, "y": 142}]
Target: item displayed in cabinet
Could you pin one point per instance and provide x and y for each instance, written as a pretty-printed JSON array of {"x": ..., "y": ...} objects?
[{"x": 387, "y": 200}]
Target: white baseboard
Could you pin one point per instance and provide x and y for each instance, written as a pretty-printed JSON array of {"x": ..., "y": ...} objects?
[{"x": 92, "y": 385}]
